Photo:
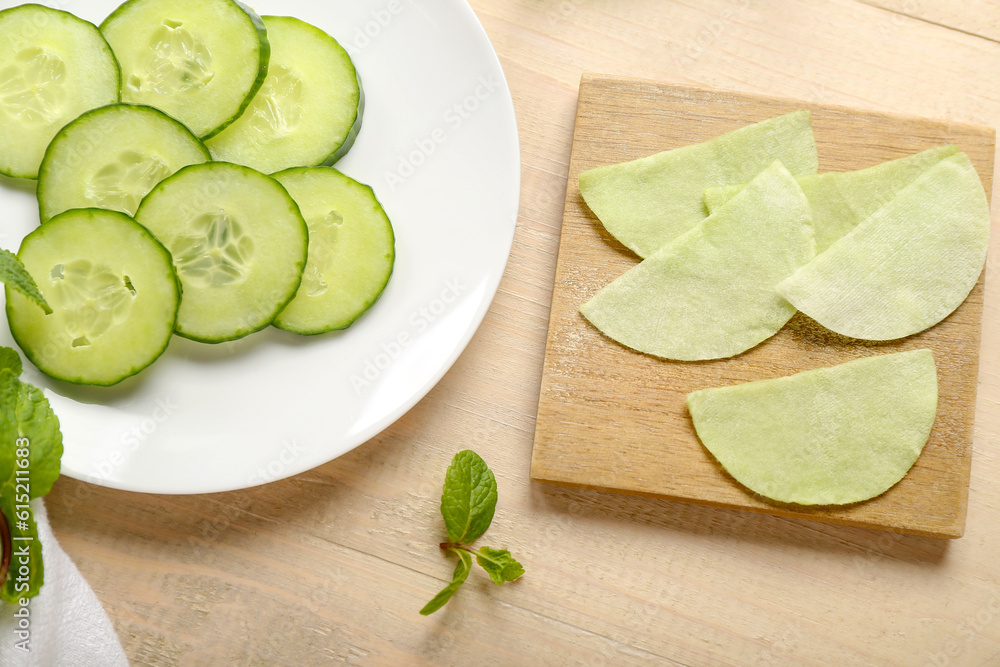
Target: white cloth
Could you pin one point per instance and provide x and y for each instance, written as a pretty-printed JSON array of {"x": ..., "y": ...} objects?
[{"x": 66, "y": 623}]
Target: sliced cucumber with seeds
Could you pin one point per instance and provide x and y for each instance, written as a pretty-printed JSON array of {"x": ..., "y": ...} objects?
[
  {"x": 113, "y": 292},
  {"x": 201, "y": 61},
  {"x": 351, "y": 250},
  {"x": 111, "y": 157},
  {"x": 307, "y": 113},
  {"x": 239, "y": 244},
  {"x": 53, "y": 67}
]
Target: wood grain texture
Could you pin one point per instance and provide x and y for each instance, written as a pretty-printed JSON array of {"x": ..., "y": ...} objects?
[
  {"x": 332, "y": 565},
  {"x": 615, "y": 419},
  {"x": 975, "y": 17}
]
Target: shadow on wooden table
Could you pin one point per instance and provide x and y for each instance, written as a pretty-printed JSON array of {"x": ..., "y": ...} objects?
[{"x": 730, "y": 525}]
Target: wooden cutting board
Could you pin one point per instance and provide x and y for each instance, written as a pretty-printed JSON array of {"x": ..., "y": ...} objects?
[{"x": 611, "y": 418}]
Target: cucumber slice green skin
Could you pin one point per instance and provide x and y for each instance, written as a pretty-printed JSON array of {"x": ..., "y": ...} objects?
[
  {"x": 114, "y": 294},
  {"x": 85, "y": 158},
  {"x": 352, "y": 134},
  {"x": 309, "y": 110},
  {"x": 345, "y": 275},
  {"x": 239, "y": 245},
  {"x": 206, "y": 117},
  {"x": 82, "y": 69}
]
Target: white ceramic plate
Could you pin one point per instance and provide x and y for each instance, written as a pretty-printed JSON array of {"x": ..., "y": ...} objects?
[{"x": 439, "y": 145}]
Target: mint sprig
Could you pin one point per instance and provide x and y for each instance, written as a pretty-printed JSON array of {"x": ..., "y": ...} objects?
[
  {"x": 13, "y": 273},
  {"x": 30, "y": 455},
  {"x": 468, "y": 503}
]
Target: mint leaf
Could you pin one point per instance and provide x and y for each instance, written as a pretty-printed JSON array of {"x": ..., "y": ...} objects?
[
  {"x": 27, "y": 572},
  {"x": 11, "y": 360},
  {"x": 10, "y": 388},
  {"x": 26, "y": 417},
  {"x": 40, "y": 426},
  {"x": 457, "y": 579},
  {"x": 30, "y": 458},
  {"x": 14, "y": 274},
  {"x": 499, "y": 564},
  {"x": 469, "y": 497}
]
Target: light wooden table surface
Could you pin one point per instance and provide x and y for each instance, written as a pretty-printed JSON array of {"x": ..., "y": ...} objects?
[{"x": 333, "y": 565}]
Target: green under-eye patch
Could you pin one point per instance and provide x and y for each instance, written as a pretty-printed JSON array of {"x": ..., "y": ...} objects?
[
  {"x": 710, "y": 293},
  {"x": 908, "y": 265},
  {"x": 647, "y": 202},
  {"x": 842, "y": 199},
  {"x": 829, "y": 436}
]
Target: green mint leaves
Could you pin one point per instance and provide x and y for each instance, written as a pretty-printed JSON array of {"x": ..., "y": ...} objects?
[
  {"x": 468, "y": 502},
  {"x": 457, "y": 579},
  {"x": 499, "y": 564},
  {"x": 469, "y": 497},
  {"x": 30, "y": 455},
  {"x": 9, "y": 359},
  {"x": 14, "y": 274}
]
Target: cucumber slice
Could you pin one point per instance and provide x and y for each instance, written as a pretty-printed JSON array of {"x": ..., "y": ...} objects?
[
  {"x": 113, "y": 292},
  {"x": 308, "y": 111},
  {"x": 201, "y": 61},
  {"x": 53, "y": 67},
  {"x": 239, "y": 244},
  {"x": 351, "y": 250},
  {"x": 111, "y": 157}
]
